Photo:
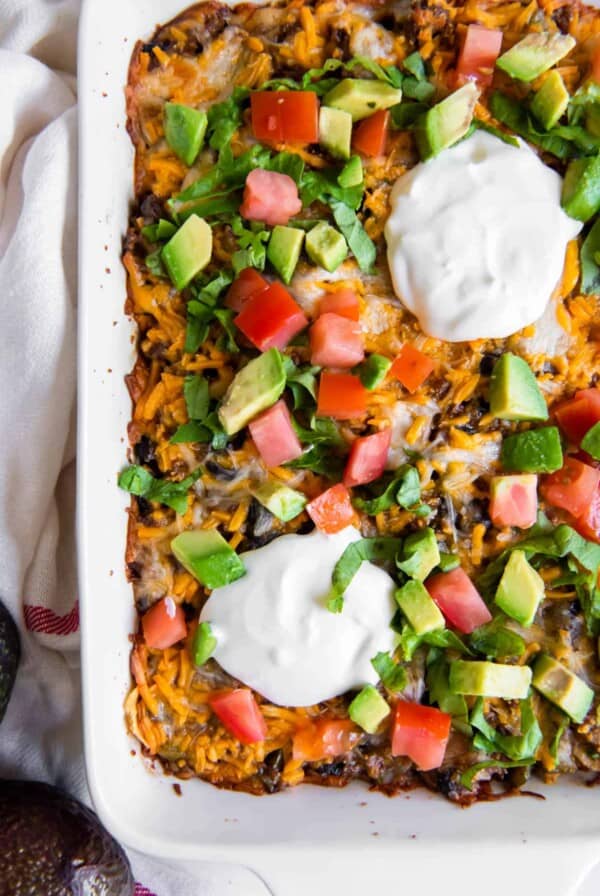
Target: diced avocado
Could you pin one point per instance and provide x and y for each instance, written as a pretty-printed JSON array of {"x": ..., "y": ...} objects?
[
  {"x": 514, "y": 392},
  {"x": 534, "y": 55},
  {"x": 592, "y": 119},
  {"x": 283, "y": 250},
  {"x": 581, "y": 188},
  {"x": 560, "y": 686},
  {"x": 188, "y": 252},
  {"x": 373, "y": 371},
  {"x": 591, "y": 441},
  {"x": 534, "y": 451},
  {"x": 351, "y": 174},
  {"x": 480, "y": 678},
  {"x": 204, "y": 644},
  {"x": 368, "y": 709},
  {"x": 207, "y": 556},
  {"x": 335, "y": 131},
  {"x": 550, "y": 102},
  {"x": 253, "y": 389},
  {"x": 446, "y": 122},
  {"x": 448, "y": 562},
  {"x": 361, "y": 97},
  {"x": 282, "y": 501},
  {"x": 520, "y": 589},
  {"x": 419, "y": 608},
  {"x": 438, "y": 686},
  {"x": 185, "y": 128},
  {"x": 420, "y": 554},
  {"x": 326, "y": 246}
]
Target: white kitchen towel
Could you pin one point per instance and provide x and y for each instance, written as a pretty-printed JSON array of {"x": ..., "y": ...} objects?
[{"x": 40, "y": 737}]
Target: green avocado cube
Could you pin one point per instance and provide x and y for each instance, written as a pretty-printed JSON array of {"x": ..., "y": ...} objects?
[
  {"x": 351, "y": 174},
  {"x": 560, "y": 686},
  {"x": 580, "y": 196},
  {"x": 534, "y": 55},
  {"x": 283, "y": 250},
  {"x": 420, "y": 554},
  {"x": 188, "y": 252},
  {"x": 520, "y": 590},
  {"x": 533, "y": 451},
  {"x": 591, "y": 441},
  {"x": 253, "y": 389},
  {"x": 419, "y": 608},
  {"x": 204, "y": 643},
  {"x": 373, "y": 371},
  {"x": 282, "y": 501},
  {"x": 360, "y": 97},
  {"x": 514, "y": 392},
  {"x": 325, "y": 246},
  {"x": 592, "y": 119},
  {"x": 207, "y": 556},
  {"x": 185, "y": 128},
  {"x": 487, "y": 679},
  {"x": 368, "y": 709},
  {"x": 335, "y": 132},
  {"x": 448, "y": 121},
  {"x": 550, "y": 102}
]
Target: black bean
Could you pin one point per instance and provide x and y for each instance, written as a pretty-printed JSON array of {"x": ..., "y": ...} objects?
[
  {"x": 151, "y": 208},
  {"x": 332, "y": 769},
  {"x": 220, "y": 472},
  {"x": 486, "y": 365},
  {"x": 144, "y": 507},
  {"x": 144, "y": 450},
  {"x": 271, "y": 769}
]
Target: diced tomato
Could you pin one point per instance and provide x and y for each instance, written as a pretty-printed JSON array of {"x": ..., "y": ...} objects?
[
  {"x": 367, "y": 458},
  {"x": 588, "y": 524},
  {"x": 274, "y": 435},
  {"x": 343, "y": 302},
  {"x": 336, "y": 341},
  {"x": 270, "y": 197},
  {"x": 341, "y": 395},
  {"x": 459, "y": 600},
  {"x": 421, "y": 733},
  {"x": 572, "y": 487},
  {"x": 411, "y": 367},
  {"x": 164, "y": 624},
  {"x": 323, "y": 739},
  {"x": 247, "y": 284},
  {"x": 269, "y": 319},
  {"x": 513, "y": 500},
  {"x": 370, "y": 135},
  {"x": 239, "y": 713},
  {"x": 478, "y": 55},
  {"x": 579, "y": 414},
  {"x": 332, "y": 510},
  {"x": 285, "y": 116}
]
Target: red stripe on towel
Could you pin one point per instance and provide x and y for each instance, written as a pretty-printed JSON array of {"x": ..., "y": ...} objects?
[{"x": 46, "y": 621}]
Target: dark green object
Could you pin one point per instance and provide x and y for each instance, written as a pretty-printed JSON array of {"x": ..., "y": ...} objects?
[
  {"x": 284, "y": 250},
  {"x": 581, "y": 188},
  {"x": 355, "y": 235},
  {"x": 10, "y": 654},
  {"x": 446, "y": 122},
  {"x": 591, "y": 441},
  {"x": 204, "y": 644},
  {"x": 514, "y": 391},
  {"x": 138, "y": 481},
  {"x": 373, "y": 371},
  {"x": 184, "y": 130},
  {"x": 351, "y": 174},
  {"x": 53, "y": 845},
  {"x": 590, "y": 258},
  {"x": 448, "y": 562},
  {"x": 534, "y": 451},
  {"x": 208, "y": 557}
]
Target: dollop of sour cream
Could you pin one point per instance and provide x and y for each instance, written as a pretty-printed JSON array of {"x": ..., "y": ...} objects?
[
  {"x": 476, "y": 239},
  {"x": 275, "y": 633}
]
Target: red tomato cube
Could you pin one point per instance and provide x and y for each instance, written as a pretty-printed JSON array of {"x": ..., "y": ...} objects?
[
  {"x": 247, "y": 284},
  {"x": 270, "y": 197},
  {"x": 343, "y": 302},
  {"x": 421, "y": 733},
  {"x": 588, "y": 524},
  {"x": 336, "y": 341},
  {"x": 164, "y": 624},
  {"x": 274, "y": 436},
  {"x": 367, "y": 458},
  {"x": 332, "y": 510},
  {"x": 459, "y": 600},
  {"x": 513, "y": 500},
  {"x": 341, "y": 395},
  {"x": 240, "y": 714},
  {"x": 370, "y": 134},
  {"x": 411, "y": 367},
  {"x": 478, "y": 55},
  {"x": 285, "y": 116},
  {"x": 269, "y": 319},
  {"x": 579, "y": 414},
  {"x": 572, "y": 487}
]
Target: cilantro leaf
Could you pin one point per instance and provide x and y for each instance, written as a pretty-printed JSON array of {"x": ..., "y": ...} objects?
[
  {"x": 514, "y": 115},
  {"x": 438, "y": 669},
  {"x": 252, "y": 242},
  {"x": 467, "y": 778},
  {"x": 374, "y": 550},
  {"x": 392, "y": 675},
  {"x": 201, "y": 312},
  {"x": 138, "y": 481},
  {"x": 302, "y": 383},
  {"x": 410, "y": 641},
  {"x": 287, "y": 163},
  {"x": 162, "y": 230},
  {"x": 323, "y": 186},
  {"x": 515, "y": 746},
  {"x": 195, "y": 392},
  {"x": 356, "y": 236},
  {"x": 590, "y": 261},
  {"x": 495, "y": 641},
  {"x": 154, "y": 263},
  {"x": 225, "y": 118},
  {"x": 403, "y": 488}
]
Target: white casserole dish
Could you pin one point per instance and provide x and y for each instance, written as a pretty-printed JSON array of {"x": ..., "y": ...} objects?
[{"x": 309, "y": 839}]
